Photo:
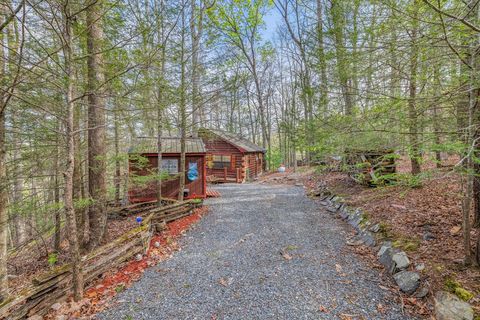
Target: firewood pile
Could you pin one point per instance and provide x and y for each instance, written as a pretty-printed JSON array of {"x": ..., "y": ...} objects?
[
  {"x": 56, "y": 285},
  {"x": 371, "y": 167}
]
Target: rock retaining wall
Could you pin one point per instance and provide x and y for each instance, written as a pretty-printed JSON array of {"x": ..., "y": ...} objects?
[{"x": 395, "y": 261}]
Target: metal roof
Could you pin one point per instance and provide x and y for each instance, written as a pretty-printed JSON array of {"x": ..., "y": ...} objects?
[
  {"x": 234, "y": 139},
  {"x": 169, "y": 145}
]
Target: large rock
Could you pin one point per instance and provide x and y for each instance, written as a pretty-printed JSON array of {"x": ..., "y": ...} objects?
[
  {"x": 375, "y": 228},
  {"x": 385, "y": 257},
  {"x": 332, "y": 209},
  {"x": 408, "y": 281},
  {"x": 393, "y": 259},
  {"x": 385, "y": 245},
  {"x": 368, "y": 238},
  {"x": 344, "y": 214},
  {"x": 449, "y": 307},
  {"x": 401, "y": 260},
  {"x": 421, "y": 293}
]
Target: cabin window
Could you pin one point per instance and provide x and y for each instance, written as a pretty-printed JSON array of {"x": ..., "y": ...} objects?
[
  {"x": 170, "y": 166},
  {"x": 221, "y": 161}
]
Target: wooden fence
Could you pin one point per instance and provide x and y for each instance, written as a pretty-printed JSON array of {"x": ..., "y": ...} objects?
[{"x": 56, "y": 285}]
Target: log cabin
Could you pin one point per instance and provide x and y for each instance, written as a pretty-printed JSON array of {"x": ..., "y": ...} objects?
[
  {"x": 143, "y": 169},
  {"x": 231, "y": 158}
]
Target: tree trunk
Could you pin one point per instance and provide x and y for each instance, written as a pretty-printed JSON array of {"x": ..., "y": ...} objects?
[
  {"x": 118, "y": 175},
  {"x": 466, "y": 225},
  {"x": 3, "y": 208},
  {"x": 12, "y": 40},
  {"x": 182, "y": 106},
  {"x": 3, "y": 173},
  {"x": 70, "y": 215},
  {"x": 338, "y": 20},
  {"x": 77, "y": 174},
  {"x": 436, "y": 116},
  {"x": 261, "y": 108},
  {"x": 160, "y": 106},
  {"x": 412, "y": 89},
  {"x": 322, "y": 61},
  {"x": 96, "y": 124},
  {"x": 196, "y": 29},
  {"x": 17, "y": 186},
  {"x": 56, "y": 192}
]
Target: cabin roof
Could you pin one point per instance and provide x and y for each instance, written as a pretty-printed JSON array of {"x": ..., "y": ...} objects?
[
  {"x": 169, "y": 145},
  {"x": 239, "y": 142}
]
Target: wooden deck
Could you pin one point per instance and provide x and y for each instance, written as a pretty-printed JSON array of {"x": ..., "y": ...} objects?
[{"x": 212, "y": 193}]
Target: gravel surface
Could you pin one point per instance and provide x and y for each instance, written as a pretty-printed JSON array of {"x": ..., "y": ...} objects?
[{"x": 263, "y": 252}]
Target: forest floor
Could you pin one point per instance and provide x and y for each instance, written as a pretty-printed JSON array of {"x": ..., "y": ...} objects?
[
  {"x": 262, "y": 252},
  {"x": 425, "y": 221}
]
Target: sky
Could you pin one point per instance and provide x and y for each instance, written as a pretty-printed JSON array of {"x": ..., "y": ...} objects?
[{"x": 272, "y": 19}]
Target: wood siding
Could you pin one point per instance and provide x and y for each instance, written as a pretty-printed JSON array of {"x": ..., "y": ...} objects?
[
  {"x": 220, "y": 147},
  {"x": 255, "y": 164},
  {"x": 240, "y": 161},
  {"x": 170, "y": 188}
]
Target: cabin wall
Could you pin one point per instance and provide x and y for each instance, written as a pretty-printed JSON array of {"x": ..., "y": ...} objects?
[
  {"x": 245, "y": 166},
  {"x": 147, "y": 191},
  {"x": 254, "y": 163},
  {"x": 221, "y": 147}
]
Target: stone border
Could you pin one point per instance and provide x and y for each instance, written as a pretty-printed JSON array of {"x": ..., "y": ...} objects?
[{"x": 396, "y": 262}]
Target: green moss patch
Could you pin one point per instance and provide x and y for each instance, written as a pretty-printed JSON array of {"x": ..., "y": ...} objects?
[
  {"x": 456, "y": 288},
  {"x": 408, "y": 245}
]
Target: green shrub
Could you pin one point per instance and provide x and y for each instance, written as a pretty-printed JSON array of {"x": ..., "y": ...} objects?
[{"x": 52, "y": 259}]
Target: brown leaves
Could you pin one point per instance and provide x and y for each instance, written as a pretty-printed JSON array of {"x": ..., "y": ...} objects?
[
  {"x": 381, "y": 308},
  {"x": 455, "y": 230},
  {"x": 338, "y": 268},
  {"x": 285, "y": 255},
  {"x": 323, "y": 309},
  {"x": 285, "y": 252},
  {"x": 225, "y": 281},
  {"x": 407, "y": 213}
]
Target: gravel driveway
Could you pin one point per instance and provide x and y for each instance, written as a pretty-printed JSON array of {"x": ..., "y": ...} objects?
[{"x": 263, "y": 252}]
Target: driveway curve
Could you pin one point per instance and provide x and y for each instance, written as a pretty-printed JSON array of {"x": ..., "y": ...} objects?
[{"x": 262, "y": 252}]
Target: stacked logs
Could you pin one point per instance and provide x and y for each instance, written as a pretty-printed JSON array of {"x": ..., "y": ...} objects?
[
  {"x": 56, "y": 285},
  {"x": 160, "y": 216},
  {"x": 371, "y": 167}
]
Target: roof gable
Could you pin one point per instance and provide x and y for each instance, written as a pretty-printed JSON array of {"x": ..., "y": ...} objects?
[{"x": 242, "y": 144}]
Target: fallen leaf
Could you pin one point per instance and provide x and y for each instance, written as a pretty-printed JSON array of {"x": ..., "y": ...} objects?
[
  {"x": 338, "y": 268},
  {"x": 322, "y": 309},
  {"x": 381, "y": 308},
  {"x": 455, "y": 230},
  {"x": 224, "y": 282},
  {"x": 286, "y": 256}
]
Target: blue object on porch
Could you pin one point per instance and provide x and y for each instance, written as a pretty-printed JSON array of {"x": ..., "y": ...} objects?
[{"x": 192, "y": 173}]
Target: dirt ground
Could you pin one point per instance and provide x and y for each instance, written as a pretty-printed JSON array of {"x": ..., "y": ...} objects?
[{"x": 425, "y": 221}]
